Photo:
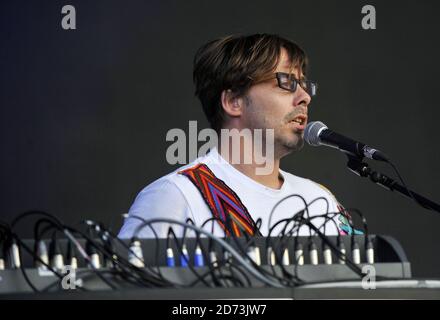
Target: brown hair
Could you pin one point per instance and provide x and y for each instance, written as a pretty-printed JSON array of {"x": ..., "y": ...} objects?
[{"x": 236, "y": 62}]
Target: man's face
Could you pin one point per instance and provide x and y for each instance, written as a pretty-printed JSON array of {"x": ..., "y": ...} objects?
[{"x": 268, "y": 106}]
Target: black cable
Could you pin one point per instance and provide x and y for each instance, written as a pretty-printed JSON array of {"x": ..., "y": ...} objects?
[
  {"x": 221, "y": 242},
  {"x": 405, "y": 186},
  {"x": 159, "y": 273},
  {"x": 179, "y": 246},
  {"x": 211, "y": 242}
]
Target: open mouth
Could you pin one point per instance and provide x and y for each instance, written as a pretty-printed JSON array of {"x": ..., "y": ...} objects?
[{"x": 300, "y": 119}]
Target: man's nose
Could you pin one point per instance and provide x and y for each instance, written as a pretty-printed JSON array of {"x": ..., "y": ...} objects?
[{"x": 301, "y": 97}]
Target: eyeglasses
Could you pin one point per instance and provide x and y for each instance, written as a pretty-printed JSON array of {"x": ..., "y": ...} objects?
[{"x": 288, "y": 82}]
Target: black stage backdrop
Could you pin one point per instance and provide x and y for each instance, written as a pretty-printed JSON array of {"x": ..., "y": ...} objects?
[{"x": 85, "y": 112}]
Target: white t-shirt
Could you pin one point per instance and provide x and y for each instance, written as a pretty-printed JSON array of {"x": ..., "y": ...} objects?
[{"x": 174, "y": 196}]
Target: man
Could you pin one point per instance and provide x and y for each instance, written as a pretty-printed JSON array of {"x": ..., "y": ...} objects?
[{"x": 254, "y": 82}]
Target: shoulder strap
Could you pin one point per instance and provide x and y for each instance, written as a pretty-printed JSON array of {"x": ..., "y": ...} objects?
[{"x": 225, "y": 205}]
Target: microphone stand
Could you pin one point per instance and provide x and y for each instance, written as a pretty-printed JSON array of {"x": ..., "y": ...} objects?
[{"x": 362, "y": 169}]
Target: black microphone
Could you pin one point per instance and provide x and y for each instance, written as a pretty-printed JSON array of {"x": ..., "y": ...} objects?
[{"x": 317, "y": 134}]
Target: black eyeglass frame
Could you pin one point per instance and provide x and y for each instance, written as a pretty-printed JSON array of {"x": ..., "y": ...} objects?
[{"x": 311, "y": 87}]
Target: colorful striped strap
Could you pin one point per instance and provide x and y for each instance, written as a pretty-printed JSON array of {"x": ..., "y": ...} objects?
[{"x": 223, "y": 202}]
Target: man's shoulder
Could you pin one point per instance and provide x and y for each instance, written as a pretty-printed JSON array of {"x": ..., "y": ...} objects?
[
  {"x": 306, "y": 183},
  {"x": 173, "y": 180},
  {"x": 292, "y": 178},
  {"x": 171, "y": 192},
  {"x": 168, "y": 182}
]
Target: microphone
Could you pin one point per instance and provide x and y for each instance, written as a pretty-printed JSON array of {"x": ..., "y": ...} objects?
[{"x": 317, "y": 134}]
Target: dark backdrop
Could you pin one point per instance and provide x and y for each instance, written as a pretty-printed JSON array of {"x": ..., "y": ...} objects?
[{"x": 84, "y": 113}]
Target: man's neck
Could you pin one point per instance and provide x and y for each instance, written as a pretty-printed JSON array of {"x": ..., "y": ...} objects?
[{"x": 272, "y": 180}]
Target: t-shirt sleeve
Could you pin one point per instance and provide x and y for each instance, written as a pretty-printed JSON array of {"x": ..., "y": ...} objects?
[
  {"x": 333, "y": 226},
  {"x": 160, "y": 200},
  {"x": 342, "y": 219}
]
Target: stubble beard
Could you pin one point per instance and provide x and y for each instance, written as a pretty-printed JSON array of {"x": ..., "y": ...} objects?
[{"x": 285, "y": 145}]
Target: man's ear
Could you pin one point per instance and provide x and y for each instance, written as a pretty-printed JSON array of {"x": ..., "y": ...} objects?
[{"x": 231, "y": 103}]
